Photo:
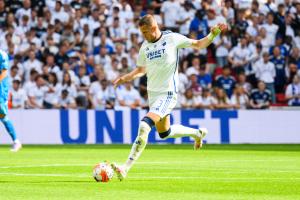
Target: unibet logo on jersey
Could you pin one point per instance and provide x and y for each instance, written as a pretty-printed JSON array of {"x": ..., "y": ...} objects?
[{"x": 155, "y": 54}]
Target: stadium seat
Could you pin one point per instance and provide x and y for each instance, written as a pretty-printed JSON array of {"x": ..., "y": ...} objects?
[
  {"x": 280, "y": 99},
  {"x": 217, "y": 72}
]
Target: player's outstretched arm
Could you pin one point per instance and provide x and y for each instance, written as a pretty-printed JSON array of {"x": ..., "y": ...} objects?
[
  {"x": 136, "y": 73},
  {"x": 214, "y": 32}
]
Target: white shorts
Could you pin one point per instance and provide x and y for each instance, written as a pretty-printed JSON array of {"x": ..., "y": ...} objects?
[{"x": 162, "y": 103}]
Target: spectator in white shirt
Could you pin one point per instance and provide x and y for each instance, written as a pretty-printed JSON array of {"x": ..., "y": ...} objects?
[
  {"x": 52, "y": 95},
  {"x": 93, "y": 20},
  {"x": 239, "y": 56},
  {"x": 120, "y": 52},
  {"x": 271, "y": 29},
  {"x": 126, "y": 14},
  {"x": 288, "y": 23},
  {"x": 290, "y": 9},
  {"x": 185, "y": 17},
  {"x": 18, "y": 95},
  {"x": 263, "y": 38},
  {"x": 241, "y": 81},
  {"x": 291, "y": 71},
  {"x": 23, "y": 27},
  {"x": 229, "y": 10},
  {"x": 292, "y": 93},
  {"x": 221, "y": 101},
  {"x": 105, "y": 98},
  {"x": 68, "y": 34},
  {"x": 268, "y": 7},
  {"x": 190, "y": 101},
  {"x": 50, "y": 62},
  {"x": 114, "y": 12},
  {"x": 214, "y": 19},
  {"x": 128, "y": 97},
  {"x": 26, "y": 10},
  {"x": 68, "y": 84},
  {"x": 256, "y": 55},
  {"x": 253, "y": 28},
  {"x": 223, "y": 46},
  {"x": 32, "y": 63},
  {"x": 82, "y": 84},
  {"x": 243, "y": 4},
  {"x": 103, "y": 58},
  {"x": 133, "y": 41},
  {"x": 14, "y": 74},
  {"x": 169, "y": 12},
  {"x": 239, "y": 99},
  {"x": 51, "y": 33},
  {"x": 66, "y": 68},
  {"x": 207, "y": 100},
  {"x": 50, "y": 46},
  {"x": 194, "y": 69},
  {"x": 183, "y": 81},
  {"x": 113, "y": 73},
  {"x": 117, "y": 33},
  {"x": 30, "y": 84},
  {"x": 37, "y": 93},
  {"x": 94, "y": 88},
  {"x": 59, "y": 14},
  {"x": 66, "y": 101},
  {"x": 265, "y": 71}
]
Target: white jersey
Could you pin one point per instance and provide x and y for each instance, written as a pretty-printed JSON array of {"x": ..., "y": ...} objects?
[
  {"x": 161, "y": 61},
  {"x": 18, "y": 97}
]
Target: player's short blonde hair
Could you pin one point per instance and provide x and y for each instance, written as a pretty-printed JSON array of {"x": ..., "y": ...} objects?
[{"x": 147, "y": 20}]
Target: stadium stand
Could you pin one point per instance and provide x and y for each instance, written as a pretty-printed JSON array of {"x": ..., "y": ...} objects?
[{"x": 65, "y": 54}]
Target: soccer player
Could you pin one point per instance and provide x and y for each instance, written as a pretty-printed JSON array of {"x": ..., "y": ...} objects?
[
  {"x": 4, "y": 86},
  {"x": 158, "y": 59}
]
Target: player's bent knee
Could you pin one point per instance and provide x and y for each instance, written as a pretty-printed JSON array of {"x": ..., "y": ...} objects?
[
  {"x": 165, "y": 134},
  {"x": 148, "y": 121},
  {"x": 145, "y": 128}
]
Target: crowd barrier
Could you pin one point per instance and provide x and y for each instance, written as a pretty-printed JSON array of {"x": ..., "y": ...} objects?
[{"x": 120, "y": 127}]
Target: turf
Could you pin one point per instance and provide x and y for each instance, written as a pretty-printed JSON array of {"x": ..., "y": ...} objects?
[{"x": 217, "y": 172}]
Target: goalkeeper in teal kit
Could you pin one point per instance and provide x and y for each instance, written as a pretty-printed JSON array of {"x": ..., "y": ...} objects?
[{"x": 4, "y": 87}]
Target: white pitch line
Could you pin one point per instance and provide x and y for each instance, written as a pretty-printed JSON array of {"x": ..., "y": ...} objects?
[
  {"x": 215, "y": 161},
  {"x": 212, "y": 178},
  {"x": 146, "y": 163},
  {"x": 160, "y": 177},
  {"x": 45, "y": 175},
  {"x": 224, "y": 170},
  {"x": 45, "y": 165}
]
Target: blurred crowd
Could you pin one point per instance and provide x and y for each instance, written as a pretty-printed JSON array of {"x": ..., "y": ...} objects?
[{"x": 65, "y": 54}]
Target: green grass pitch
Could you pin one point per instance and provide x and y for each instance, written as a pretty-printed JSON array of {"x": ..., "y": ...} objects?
[{"x": 217, "y": 172}]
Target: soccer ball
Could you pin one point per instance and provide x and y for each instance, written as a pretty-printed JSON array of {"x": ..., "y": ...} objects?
[{"x": 103, "y": 172}]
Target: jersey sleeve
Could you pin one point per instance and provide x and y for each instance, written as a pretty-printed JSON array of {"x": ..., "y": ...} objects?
[
  {"x": 141, "y": 60},
  {"x": 181, "y": 41}
]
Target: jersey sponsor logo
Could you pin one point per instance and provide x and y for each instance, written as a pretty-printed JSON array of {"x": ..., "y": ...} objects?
[{"x": 155, "y": 54}]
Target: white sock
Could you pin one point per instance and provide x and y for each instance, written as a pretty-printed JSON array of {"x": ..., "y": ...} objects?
[
  {"x": 17, "y": 141},
  {"x": 182, "y": 131},
  {"x": 138, "y": 145}
]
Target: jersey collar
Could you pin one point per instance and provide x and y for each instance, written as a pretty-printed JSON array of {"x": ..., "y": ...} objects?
[{"x": 161, "y": 34}]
